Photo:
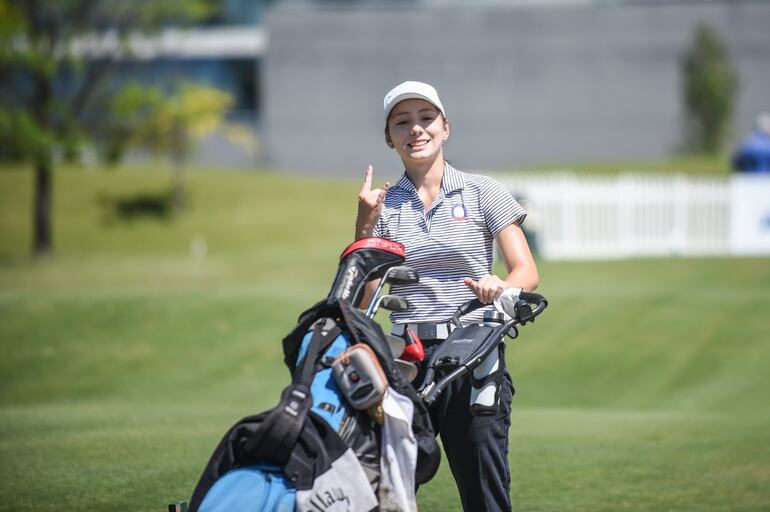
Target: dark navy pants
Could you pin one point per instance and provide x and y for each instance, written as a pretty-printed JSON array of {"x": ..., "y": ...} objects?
[{"x": 476, "y": 446}]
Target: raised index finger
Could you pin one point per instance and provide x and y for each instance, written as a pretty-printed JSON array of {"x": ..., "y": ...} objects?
[{"x": 367, "y": 179}]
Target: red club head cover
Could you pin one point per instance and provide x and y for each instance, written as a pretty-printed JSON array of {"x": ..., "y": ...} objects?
[{"x": 413, "y": 351}]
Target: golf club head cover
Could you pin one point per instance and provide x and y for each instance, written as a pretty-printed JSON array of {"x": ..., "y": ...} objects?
[
  {"x": 413, "y": 350},
  {"x": 360, "y": 262},
  {"x": 360, "y": 377}
]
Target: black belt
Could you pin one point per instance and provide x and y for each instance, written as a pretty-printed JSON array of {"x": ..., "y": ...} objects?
[{"x": 425, "y": 330}]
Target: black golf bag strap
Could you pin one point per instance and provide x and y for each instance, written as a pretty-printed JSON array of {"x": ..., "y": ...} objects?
[
  {"x": 275, "y": 439},
  {"x": 325, "y": 331}
]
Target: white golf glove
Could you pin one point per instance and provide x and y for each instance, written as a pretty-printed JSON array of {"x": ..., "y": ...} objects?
[{"x": 506, "y": 302}]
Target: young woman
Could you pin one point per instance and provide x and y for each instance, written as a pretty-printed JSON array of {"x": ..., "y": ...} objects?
[{"x": 447, "y": 221}]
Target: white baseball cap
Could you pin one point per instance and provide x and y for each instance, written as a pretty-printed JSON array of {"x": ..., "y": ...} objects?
[{"x": 412, "y": 90}]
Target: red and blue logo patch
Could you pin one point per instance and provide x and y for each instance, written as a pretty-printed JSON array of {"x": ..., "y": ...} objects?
[{"x": 458, "y": 212}]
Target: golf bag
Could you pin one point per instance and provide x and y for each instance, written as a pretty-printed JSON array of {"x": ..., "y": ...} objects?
[{"x": 313, "y": 451}]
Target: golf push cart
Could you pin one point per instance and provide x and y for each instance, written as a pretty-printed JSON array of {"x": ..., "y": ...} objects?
[{"x": 342, "y": 365}]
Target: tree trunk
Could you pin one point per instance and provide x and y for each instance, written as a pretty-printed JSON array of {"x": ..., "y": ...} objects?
[
  {"x": 178, "y": 161},
  {"x": 43, "y": 239},
  {"x": 178, "y": 185},
  {"x": 42, "y": 208},
  {"x": 42, "y": 212}
]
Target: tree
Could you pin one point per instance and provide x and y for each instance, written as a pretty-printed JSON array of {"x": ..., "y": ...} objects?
[
  {"x": 54, "y": 55},
  {"x": 167, "y": 124},
  {"x": 709, "y": 88}
]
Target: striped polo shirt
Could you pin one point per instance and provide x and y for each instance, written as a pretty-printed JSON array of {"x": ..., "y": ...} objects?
[{"x": 451, "y": 240}]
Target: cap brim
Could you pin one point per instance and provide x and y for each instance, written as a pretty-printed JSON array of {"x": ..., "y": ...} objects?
[{"x": 410, "y": 96}]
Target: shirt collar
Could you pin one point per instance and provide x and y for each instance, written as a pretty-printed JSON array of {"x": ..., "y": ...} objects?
[{"x": 452, "y": 181}]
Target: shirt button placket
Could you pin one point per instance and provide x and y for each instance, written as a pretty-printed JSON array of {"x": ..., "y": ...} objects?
[{"x": 428, "y": 215}]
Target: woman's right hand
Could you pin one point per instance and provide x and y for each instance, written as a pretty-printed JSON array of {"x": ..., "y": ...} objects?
[{"x": 369, "y": 205}]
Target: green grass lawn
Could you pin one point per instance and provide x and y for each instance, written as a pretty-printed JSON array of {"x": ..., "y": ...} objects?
[
  {"x": 125, "y": 356},
  {"x": 701, "y": 165}
]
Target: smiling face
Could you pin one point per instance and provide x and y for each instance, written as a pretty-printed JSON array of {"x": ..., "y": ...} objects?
[{"x": 416, "y": 130}]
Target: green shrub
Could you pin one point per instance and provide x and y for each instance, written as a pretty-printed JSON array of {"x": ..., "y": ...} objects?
[{"x": 710, "y": 85}]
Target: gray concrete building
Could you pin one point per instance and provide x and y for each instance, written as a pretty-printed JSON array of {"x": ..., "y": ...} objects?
[{"x": 523, "y": 84}]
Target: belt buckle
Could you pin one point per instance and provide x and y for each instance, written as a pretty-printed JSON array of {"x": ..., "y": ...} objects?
[{"x": 427, "y": 331}]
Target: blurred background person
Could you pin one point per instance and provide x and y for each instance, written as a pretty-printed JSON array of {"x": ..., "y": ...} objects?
[{"x": 753, "y": 154}]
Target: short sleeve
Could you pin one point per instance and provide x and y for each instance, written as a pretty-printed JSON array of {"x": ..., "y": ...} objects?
[
  {"x": 379, "y": 229},
  {"x": 382, "y": 229},
  {"x": 499, "y": 207}
]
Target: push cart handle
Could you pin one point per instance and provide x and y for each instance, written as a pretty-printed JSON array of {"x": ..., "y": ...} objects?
[
  {"x": 532, "y": 297},
  {"x": 464, "y": 309},
  {"x": 475, "y": 303}
]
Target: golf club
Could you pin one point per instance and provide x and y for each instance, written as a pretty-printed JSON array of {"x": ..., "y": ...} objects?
[
  {"x": 400, "y": 274},
  {"x": 408, "y": 369},
  {"x": 396, "y": 345},
  {"x": 391, "y": 303}
]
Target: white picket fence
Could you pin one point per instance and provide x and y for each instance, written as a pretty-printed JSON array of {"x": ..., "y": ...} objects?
[{"x": 600, "y": 217}]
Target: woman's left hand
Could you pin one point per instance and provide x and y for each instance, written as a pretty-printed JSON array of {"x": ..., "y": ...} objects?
[{"x": 488, "y": 288}]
